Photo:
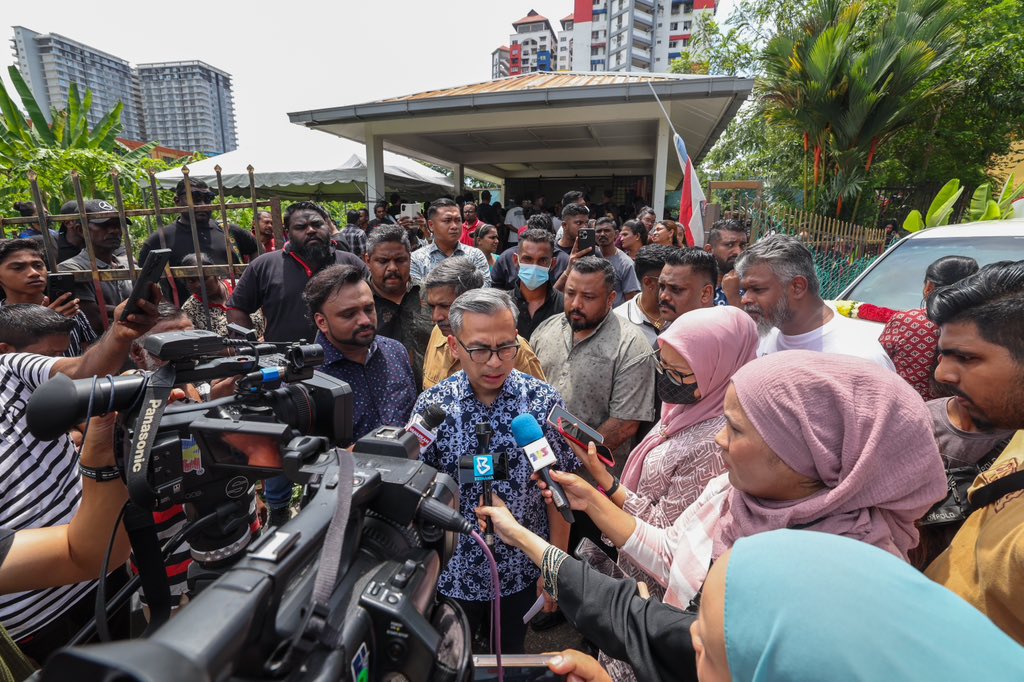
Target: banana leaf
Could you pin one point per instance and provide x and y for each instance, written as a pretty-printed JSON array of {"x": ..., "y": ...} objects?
[
  {"x": 1009, "y": 194},
  {"x": 913, "y": 222},
  {"x": 40, "y": 126},
  {"x": 992, "y": 212},
  {"x": 979, "y": 203},
  {"x": 942, "y": 204}
]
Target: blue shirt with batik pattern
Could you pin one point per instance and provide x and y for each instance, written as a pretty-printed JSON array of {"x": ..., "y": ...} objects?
[
  {"x": 383, "y": 389},
  {"x": 467, "y": 575}
]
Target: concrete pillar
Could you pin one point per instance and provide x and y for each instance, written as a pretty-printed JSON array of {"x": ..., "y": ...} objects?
[
  {"x": 459, "y": 178},
  {"x": 375, "y": 190},
  {"x": 663, "y": 145}
]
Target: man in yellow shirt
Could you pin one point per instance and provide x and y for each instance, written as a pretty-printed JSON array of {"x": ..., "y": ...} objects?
[
  {"x": 981, "y": 347},
  {"x": 444, "y": 284}
]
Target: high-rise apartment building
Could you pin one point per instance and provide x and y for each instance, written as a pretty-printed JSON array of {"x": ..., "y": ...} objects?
[
  {"x": 606, "y": 35},
  {"x": 189, "y": 105},
  {"x": 50, "y": 63},
  {"x": 185, "y": 105},
  {"x": 499, "y": 63}
]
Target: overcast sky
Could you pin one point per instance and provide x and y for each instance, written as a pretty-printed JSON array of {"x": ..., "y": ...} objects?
[{"x": 305, "y": 54}]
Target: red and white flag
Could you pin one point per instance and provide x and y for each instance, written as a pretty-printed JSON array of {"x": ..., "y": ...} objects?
[{"x": 691, "y": 205}]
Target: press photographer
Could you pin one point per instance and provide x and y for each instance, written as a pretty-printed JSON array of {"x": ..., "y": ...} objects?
[
  {"x": 37, "y": 559},
  {"x": 42, "y": 485}
]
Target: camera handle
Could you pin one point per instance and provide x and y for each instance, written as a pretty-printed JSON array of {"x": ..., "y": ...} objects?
[
  {"x": 146, "y": 415},
  {"x": 317, "y": 630}
]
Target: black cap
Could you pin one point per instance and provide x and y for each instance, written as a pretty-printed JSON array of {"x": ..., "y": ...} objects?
[{"x": 91, "y": 206}]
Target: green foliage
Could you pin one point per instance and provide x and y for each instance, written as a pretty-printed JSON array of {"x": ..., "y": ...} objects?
[
  {"x": 913, "y": 222},
  {"x": 67, "y": 143},
  {"x": 978, "y": 113},
  {"x": 942, "y": 205},
  {"x": 849, "y": 88}
]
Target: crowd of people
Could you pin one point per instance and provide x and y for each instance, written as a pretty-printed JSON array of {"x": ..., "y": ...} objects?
[{"x": 770, "y": 495}]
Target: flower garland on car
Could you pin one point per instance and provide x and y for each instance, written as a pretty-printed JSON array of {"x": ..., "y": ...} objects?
[{"x": 856, "y": 310}]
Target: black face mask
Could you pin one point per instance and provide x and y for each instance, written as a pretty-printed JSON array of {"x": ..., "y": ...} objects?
[{"x": 675, "y": 394}]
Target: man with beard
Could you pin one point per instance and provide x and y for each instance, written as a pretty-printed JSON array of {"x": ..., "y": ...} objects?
[
  {"x": 265, "y": 230},
  {"x": 603, "y": 367},
  {"x": 275, "y": 281},
  {"x": 401, "y": 315},
  {"x": 105, "y": 234},
  {"x": 600, "y": 363},
  {"x": 782, "y": 295},
  {"x": 178, "y": 235},
  {"x": 726, "y": 242},
  {"x": 444, "y": 221},
  {"x": 981, "y": 351},
  {"x": 376, "y": 368}
]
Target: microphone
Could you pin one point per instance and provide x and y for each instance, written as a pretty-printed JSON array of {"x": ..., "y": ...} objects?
[
  {"x": 530, "y": 438},
  {"x": 484, "y": 468},
  {"x": 423, "y": 425}
]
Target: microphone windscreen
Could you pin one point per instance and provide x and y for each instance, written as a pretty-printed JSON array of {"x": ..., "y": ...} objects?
[
  {"x": 433, "y": 416},
  {"x": 52, "y": 409},
  {"x": 526, "y": 430}
]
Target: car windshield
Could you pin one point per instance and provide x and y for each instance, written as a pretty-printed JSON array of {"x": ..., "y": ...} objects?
[{"x": 897, "y": 280}]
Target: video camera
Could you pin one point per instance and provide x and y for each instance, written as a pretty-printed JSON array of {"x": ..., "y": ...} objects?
[{"x": 254, "y": 616}]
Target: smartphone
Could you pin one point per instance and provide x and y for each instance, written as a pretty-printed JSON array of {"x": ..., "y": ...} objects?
[
  {"x": 576, "y": 430},
  {"x": 409, "y": 211},
  {"x": 512, "y": 661},
  {"x": 152, "y": 271},
  {"x": 58, "y": 284},
  {"x": 588, "y": 239}
]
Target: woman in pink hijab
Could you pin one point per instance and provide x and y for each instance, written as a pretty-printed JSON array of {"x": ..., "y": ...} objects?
[
  {"x": 813, "y": 441},
  {"x": 665, "y": 473}
]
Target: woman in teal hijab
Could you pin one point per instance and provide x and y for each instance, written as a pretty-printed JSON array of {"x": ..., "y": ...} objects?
[{"x": 799, "y": 605}]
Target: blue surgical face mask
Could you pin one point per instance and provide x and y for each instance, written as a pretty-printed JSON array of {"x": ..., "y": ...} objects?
[{"x": 533, "y": 276}]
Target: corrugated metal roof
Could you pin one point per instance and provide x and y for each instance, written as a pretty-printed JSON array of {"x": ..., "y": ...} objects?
[{"x": 542, "y": 80}]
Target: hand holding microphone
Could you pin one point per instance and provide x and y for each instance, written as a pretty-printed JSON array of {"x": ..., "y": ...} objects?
[
  {"x": 530, "y": 438},
  {"x": 575, "y": 489}
]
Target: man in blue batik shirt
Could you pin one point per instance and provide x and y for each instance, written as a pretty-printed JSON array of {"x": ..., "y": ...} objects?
[{"x": 488, "y": 389}]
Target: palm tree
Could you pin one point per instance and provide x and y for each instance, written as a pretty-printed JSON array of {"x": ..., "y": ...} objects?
[{"x": 848, "y": 87}]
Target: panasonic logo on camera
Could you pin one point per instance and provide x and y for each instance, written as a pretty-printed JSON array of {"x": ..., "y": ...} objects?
[{"x": 143, "y": 436}]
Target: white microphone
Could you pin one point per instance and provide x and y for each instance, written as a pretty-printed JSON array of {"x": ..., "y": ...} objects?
[{"x": 423, "y": 425}]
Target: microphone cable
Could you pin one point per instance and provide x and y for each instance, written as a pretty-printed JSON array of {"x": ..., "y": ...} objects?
[{"x": 496, "y": 619}]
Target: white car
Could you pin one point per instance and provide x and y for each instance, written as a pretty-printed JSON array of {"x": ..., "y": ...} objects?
[{"x": 896, "y": 278}]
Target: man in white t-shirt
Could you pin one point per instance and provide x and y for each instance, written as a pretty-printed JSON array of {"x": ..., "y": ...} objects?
[{"x": 783, "y": 296}]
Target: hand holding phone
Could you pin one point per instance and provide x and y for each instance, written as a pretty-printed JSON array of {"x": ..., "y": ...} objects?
[
  {"x": 152, "y": 271},
  {"x": 58, "y": 284},
  {"x": 576, "y": 431},
  {"x": 587, "y": 239}
]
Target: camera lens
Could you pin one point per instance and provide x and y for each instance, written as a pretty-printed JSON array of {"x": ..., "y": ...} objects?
[{"x": 306, "y": 355}]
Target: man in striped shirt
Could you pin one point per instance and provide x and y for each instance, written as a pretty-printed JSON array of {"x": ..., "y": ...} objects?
[{"x": 40, "y": 485}]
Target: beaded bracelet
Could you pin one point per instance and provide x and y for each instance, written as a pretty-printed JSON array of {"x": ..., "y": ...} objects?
[{"x": 550, "y": 562}]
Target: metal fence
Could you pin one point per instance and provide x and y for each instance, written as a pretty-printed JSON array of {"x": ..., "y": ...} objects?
[
  {"x": 153, "y": 216},
  {"x": 842, "y": 250}
]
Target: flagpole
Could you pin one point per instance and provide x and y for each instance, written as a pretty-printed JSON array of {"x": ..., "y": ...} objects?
[{"x": 662, "y": 107}]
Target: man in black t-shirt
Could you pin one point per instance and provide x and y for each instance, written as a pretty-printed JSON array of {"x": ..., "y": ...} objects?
[
  {"x": 275, "y": 280},
  {"x": 178, "y": 235}
]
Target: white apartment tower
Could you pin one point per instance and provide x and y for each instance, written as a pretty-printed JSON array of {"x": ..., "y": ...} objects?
[
  {"x": 189, "y": 105},
  {"x": 50, "y": 63}
]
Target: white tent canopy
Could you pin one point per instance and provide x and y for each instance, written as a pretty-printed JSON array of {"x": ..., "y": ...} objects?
[{"x": 320, "y": 168}]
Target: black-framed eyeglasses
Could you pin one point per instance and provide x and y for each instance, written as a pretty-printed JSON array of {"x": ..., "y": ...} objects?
[
  {"x": 674, "y": 375},
  {"x": 482, "y": 355}
]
